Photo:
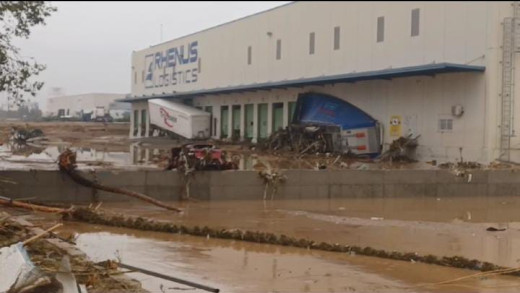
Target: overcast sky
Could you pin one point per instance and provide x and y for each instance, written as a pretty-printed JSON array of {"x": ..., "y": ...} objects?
[{"x": 87, "y": 45}]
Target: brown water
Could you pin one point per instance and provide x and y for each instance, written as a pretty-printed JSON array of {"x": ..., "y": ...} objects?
[
  {"x": 143, "y": 155},
  {"x": 23, "y": 157},
  {"x": 235, "y": 266},
  {"x": 439, "y": 226}
]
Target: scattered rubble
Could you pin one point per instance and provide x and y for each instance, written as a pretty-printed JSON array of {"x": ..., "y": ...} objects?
[
  {"x": 272, "y": 180},
  {"x": 23, "y": 134},
  {"x": 305, "y": 138},
  {"x": 199, "y": 157},
  {"x": 400, "y": 150},
  {"x": 41, "y": 263},
  {"x": 190, "y": 158}
]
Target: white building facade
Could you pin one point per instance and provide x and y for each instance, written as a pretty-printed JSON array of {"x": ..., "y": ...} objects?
[
  {"x": 77, "y": 105},
  {"x": 442, "y": 70}
]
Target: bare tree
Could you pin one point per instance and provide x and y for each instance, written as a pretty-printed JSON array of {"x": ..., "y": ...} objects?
[{"x": 16, "y": 20}]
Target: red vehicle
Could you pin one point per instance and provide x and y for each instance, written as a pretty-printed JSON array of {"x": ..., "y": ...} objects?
[{"x": 200, "y": 157}]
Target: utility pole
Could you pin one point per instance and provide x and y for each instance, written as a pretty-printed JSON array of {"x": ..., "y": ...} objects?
[{"x": 161, "y": 32}]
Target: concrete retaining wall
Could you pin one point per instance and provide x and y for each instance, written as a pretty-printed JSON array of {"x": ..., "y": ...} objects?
[{"x": 301, "y": 184}]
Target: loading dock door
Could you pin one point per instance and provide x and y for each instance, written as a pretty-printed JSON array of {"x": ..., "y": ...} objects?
[
  {"x": 236, "y": 121},
  {"x": 292, "y": 107},
  {"x": 209, "y": 109},
  {"x": 136, "y": 122},
  {"x": 262, "y": 120},
  {"x": 277, "y": 116},
  {"x": 249, "y": 120},
  {"x": 224, "y": 121},
  {"x": 143, "y": 123}
]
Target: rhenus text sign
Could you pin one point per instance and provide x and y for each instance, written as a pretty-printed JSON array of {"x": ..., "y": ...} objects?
[{"x": 173, "y": 66}]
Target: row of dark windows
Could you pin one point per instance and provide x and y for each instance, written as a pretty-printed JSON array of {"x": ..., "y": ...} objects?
[{"x": 380, "y": 36}]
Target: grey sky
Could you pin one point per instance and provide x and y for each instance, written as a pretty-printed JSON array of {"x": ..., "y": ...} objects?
[{"x": 87, "y": 45}]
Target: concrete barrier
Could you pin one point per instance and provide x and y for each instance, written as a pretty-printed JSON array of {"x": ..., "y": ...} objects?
[{"x": 300, "y": 184}]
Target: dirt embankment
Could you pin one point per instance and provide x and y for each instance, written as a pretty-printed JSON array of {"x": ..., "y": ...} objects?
[{"x": 75, "y": 134}]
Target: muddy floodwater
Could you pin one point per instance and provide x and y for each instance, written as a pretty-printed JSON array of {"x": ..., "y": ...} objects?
[
  {"x": 235, "y": 266},
  {"x": 23, "y": 157},
  {"x": 455, "y": 226},
  {"x": 152, "y": 155}
]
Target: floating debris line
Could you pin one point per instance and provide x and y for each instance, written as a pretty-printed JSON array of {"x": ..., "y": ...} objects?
[{"x": 140, "y": 223}]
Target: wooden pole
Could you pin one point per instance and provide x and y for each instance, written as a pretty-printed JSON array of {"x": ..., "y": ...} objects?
[
  {"x": 173, "y": 279},
  {"x": 41, "y": 234},
  {"x": 33, "y": 207}
]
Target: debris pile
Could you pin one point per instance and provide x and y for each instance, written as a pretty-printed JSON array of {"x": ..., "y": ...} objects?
[
  {"x": 461, "y": 168},
  {"x": 305, "y": 138},
  {"x": 23, "y": 134},
  {"x": 38, "y": 265},
  {"x": 400, "y": 150},
  {"x": 272, "y": 180},
  {"x": 199, "y": 157},
  {"x": 190, "y": 158}
]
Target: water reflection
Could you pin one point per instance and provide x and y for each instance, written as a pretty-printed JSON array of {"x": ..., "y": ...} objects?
[
  {"x": 25, "y": 155},
  {"x": 135, "y": 155}
]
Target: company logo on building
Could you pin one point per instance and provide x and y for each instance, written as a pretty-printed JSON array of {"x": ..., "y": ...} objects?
[{"x": 162, "y": 66}]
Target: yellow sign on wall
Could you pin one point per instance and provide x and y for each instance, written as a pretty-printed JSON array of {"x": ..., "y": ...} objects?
[{"x": 395, "y": 126}]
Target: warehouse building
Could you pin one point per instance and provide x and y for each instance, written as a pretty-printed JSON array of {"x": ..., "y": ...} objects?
[
  {"x": 441, "y": 70},
  {"x": 87, "y": 106}
]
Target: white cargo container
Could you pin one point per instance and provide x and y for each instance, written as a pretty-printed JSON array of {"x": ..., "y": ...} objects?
[{"x": 178, "y": 118}]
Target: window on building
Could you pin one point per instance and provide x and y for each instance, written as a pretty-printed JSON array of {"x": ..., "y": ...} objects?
[
  {"x": 135, "y": 77},
  {"x": 336, "y": 38},
  {"x": 380, "y": 29},
  {"x": 311, "y": 43},
  {"x": 415, "y": 22},
  {"x": 278, "y": 49},
  {"x": 445, "y": 124},
  {"x": 199, "y": 65},
  {"x": 249, "y": 52}
]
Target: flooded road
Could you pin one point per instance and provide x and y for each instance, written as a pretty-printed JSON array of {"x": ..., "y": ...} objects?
[
  {"x": 438, "y": 226},
  {"x": 139, "y": 155},
  {"x": 24, "y": 157},
  {"x": 235, "y": 266}
]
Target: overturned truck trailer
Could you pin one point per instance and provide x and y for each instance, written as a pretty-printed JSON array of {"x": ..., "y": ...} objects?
[
  {"x": 186, "y": 121},
  {"x": 360, "y": 133}
]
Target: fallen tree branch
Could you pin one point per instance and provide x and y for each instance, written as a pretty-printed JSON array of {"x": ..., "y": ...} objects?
[{"x": 67, "y": 164}]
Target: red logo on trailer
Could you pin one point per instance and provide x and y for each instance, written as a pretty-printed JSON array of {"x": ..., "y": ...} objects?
[{"x": 166, "y": 116}]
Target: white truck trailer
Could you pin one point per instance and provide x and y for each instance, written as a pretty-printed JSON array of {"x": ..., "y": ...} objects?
[{"x": 178, "y": 118}]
